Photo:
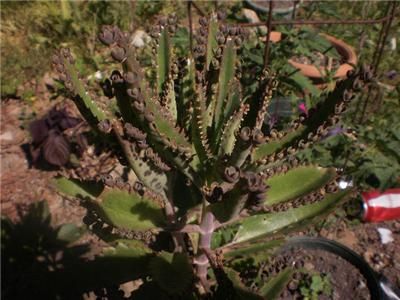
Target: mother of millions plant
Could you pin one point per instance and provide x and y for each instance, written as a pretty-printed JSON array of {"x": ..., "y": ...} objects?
[{"x": 213, "y": 195}]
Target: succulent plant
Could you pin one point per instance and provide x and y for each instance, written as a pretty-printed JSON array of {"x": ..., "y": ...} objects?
[
  {"x": 48, "y": 139},
  {"x": 211, "y": 188}
]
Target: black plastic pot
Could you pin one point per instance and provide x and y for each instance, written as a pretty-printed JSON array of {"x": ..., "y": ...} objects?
[{"x": 378, "y": 285}]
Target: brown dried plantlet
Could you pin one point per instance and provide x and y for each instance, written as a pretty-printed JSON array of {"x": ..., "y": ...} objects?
[
  {"x": 105, "y": 126},
  {"x": 133, "y": 93},
  {"x": 142, "y": 144},
  {"x": 107, "y": 35},
  {"x": 116, "y": 77},
  {"x": 231, "y": 174},
  {"x": 245, "y": 134},
  {"x": 118, "y": 53},
  {"x": 139, "y": 105},
  {"x": 130, "y": 77},
  {"x": 149, "y": 116}
]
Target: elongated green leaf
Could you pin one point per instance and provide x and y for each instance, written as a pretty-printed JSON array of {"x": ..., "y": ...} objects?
[
  {"x": 165, "y": 84},
  {"x": 242, "y": 293},
  {"x": 184, "y": 99},
  {"x": 163, "y": 57},
  {"x": 234, "y": 99},
  {"x": 151, "y": 177},
  {"x": 200, "y": 120},
  {"x": 87, "y": 105},
  {"x": 272, "y": 289},
  {"x": 127, "y": 248},
  {"x": 226, "y": 74},
  {"x": 252, "y": 249},
  {"x": 129, "y": 211},
  {"x": 170, "y": 99},
  {"x": 212, "y": 43},
  {"x": 125, "y": 262},
  {"x": 166, "y": 136},
  {"x": 275, "y": 145},
  {"x": 303, "y": 83},
  {"x": 165, "y": 127},
  {"x": 78, "y": 189},
  {"x": 296, "y": 183},
  {"x": 256, "y": 253},
  {"x": 261, "y": 225},
  {"x": 231, "y": 128},
  {"x": 311, "y": 124},
  {"x": 172, "y": 272}
]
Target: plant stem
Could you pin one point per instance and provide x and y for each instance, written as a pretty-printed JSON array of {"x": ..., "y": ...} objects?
[
  {"x": 171, "y": 216},
  {"x": 201, "y": 260}
]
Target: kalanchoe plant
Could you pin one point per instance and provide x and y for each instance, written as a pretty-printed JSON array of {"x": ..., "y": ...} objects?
[{"x": 212, "y": 192}]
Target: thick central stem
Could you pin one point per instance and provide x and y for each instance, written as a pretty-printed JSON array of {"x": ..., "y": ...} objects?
[{"x": 206, "y": 230}]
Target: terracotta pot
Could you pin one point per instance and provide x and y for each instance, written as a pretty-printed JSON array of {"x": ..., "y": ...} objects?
[
  {"x": 311, "y": 71},
  {"x": 346, "y": 51},
  {"x": 274, "y": 37}
]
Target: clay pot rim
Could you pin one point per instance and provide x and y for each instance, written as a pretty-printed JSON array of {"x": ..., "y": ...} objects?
[{"x": 312, "y": 71}]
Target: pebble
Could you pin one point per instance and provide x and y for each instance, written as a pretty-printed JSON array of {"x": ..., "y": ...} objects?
[
  {"x": 140, "y": 38},
  {"x": 7, "y": 136},
  {"x": 385, "y": 235},
  {"x": 252, "y": 17}
]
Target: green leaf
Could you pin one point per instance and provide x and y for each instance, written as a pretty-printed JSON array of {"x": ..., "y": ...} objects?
[
  {"x": 200, "y": 120},
  {"x": 231, "y": 128},
  {"x": 226, "y": 74},
  {"x": 223, "y": 236},
  {"x": 212, "y": 43},
  {"x": 303, "y": 83},
  {"x": 230, "y": 207},
  {"x": 78, "y": 189},
  {"x": 172, "y": 272},
  {"x": 84, "y": 103},
  {"x": 184, "y": 99},
  {"x": 69, "y": 233},
  {"x": 275, "y": 145},
  {"x": 129, "y": 211},
  {"x": 127, "y": 248},
  {"x": 166, "y": 133},
  {"x": 311, "y": 124},
  {"x": 297, "y": 182},
  {"x": 252, "y": 249},
  {"x": 242, "y": 293},
  {"x": 125, "y": 262},
  {"x": 261, "y": 225},
  {"x": 272, "y": 289},
  {"x": 162, "y": 59},
  {"x": 152, "y": 178}
]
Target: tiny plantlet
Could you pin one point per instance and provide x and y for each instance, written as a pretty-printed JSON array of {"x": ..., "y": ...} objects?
[{"x": 212, "y": 187}]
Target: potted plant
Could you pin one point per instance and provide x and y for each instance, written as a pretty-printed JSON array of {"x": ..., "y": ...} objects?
[
  {"x": 211, "y": 193},
  {"x": 320, "y": 56}
]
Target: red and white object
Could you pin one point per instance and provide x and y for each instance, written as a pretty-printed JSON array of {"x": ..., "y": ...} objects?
[{"x": 381, "y": 206}]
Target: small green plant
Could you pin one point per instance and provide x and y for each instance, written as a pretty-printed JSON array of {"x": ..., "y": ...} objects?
[
  {"x": 210, "y": 188},
  {"x": 320, "y": 284}
]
